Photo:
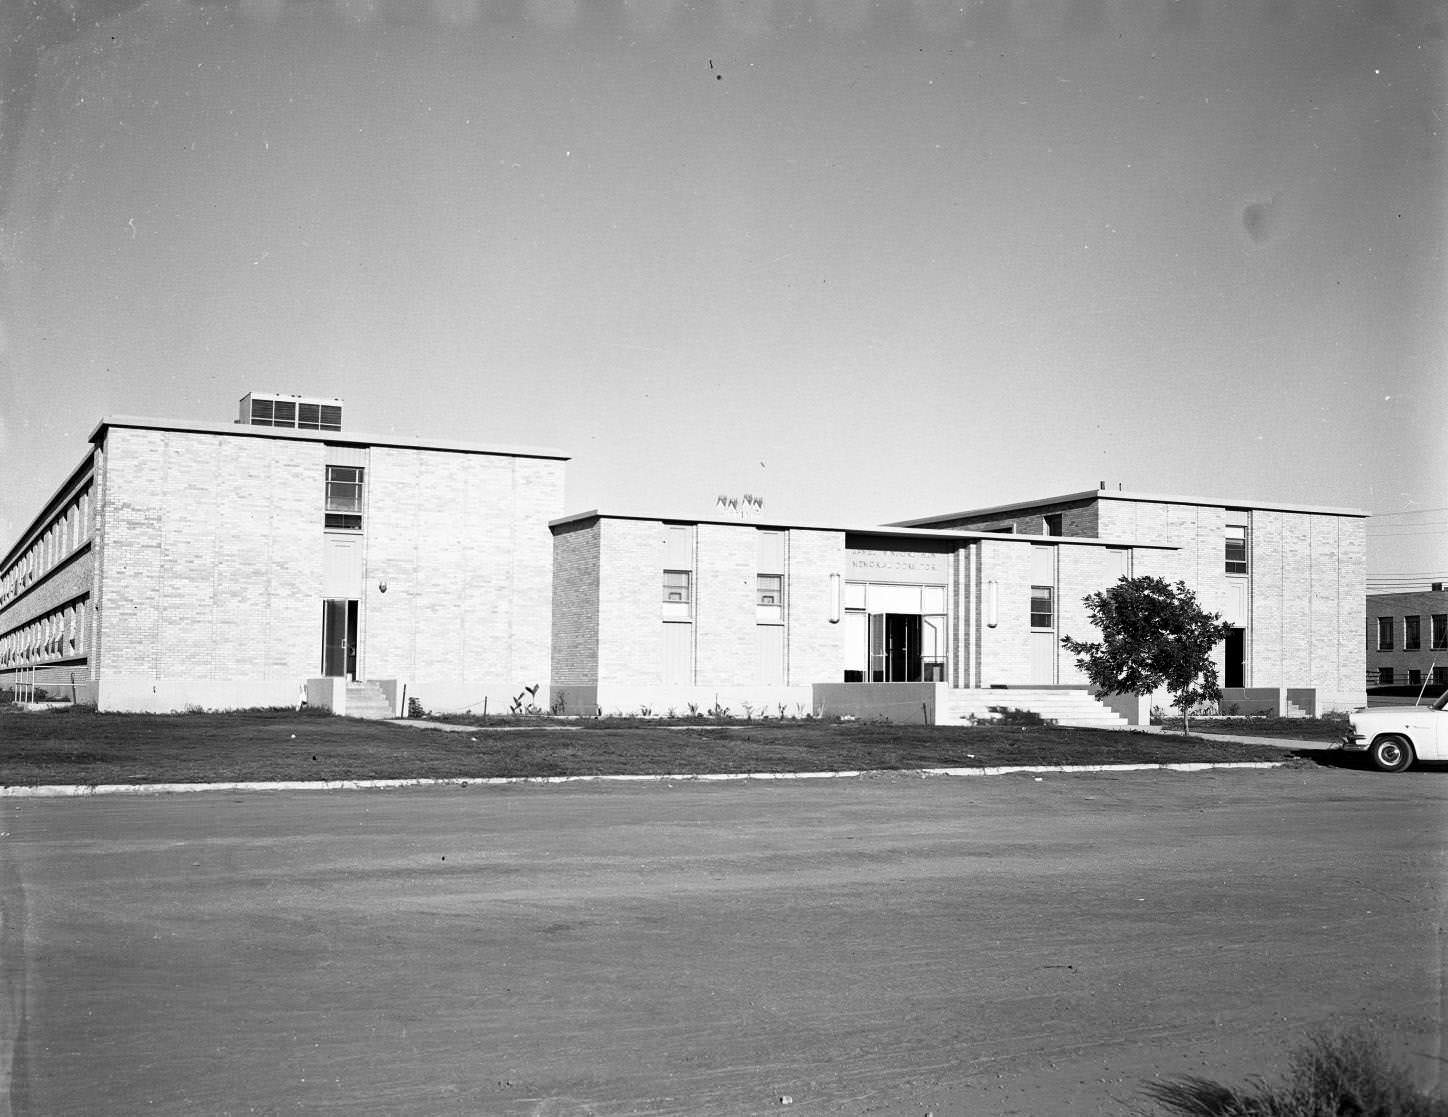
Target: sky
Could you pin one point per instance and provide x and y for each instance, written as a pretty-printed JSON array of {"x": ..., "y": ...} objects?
[{"x": 867, "y": 259}]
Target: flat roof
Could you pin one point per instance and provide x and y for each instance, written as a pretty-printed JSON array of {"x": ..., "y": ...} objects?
[
  {"x": 892, "y": 531},
  {"x": 342, "y": 437},
  {"x": 1119, "y": 494}
]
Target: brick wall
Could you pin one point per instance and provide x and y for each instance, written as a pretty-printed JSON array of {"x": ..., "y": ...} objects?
[
  {"x": 724, "y": 609},
  {"x": 630, "y": 626},
  {"x": 1004, "y": 651},
  {"x": 575, "y": 604},
  {"x": 462, "y": 543},
  {"x": 210, "y": 561},
  {"x": 814, "y": 648}
]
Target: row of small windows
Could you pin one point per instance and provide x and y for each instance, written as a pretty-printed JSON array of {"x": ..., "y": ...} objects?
[
  {"x": 59, "y": 634},
  {"x": 67, "y": 532},
  {"x": 1388, "y": 676},
  {"x": 1413, "y": 632}
]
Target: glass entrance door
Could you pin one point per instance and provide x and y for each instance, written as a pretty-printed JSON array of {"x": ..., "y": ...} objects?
[
  {"x": 339, "y": 638},
  {"x": 894, "y": 648}
]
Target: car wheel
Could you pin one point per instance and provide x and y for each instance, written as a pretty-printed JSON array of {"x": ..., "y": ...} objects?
[{"x": 1391, "y": 753}]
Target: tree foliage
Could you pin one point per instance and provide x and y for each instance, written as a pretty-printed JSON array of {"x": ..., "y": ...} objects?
[{"x": 1153, "y": 635}]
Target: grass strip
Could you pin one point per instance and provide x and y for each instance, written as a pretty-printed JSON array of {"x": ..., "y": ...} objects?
[{"x": 86, "y": 748}]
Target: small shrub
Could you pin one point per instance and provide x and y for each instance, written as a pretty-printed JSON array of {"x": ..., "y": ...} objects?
[
  {"x": 1012, "y": 716},
  {"x": 694, "y": 710},
  {"x": 748, "y": 710},
  {"x": 1348, "y": 1075},
  {"x": 415, "y": 709}
]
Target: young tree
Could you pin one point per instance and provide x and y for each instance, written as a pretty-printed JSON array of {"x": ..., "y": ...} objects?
[{"x": 1153, "y": 634}]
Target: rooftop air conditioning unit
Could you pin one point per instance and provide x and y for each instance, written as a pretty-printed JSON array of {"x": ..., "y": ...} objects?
[{"x": 264, "y": 409}]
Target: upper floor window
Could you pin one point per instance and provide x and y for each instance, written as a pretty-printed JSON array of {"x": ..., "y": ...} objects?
[
  {"x": 1236, "y": 549},
  {"x": 676, "y": 587},
  {"x": 1438, "y": 630},
  {"x": 1051, "y": 525},
  {"x": 1385, "y": 634},
  {"x": 344, "y": 497},
  {"x": 770, "y": 590},
  {"x": 1412, "y": 634},
  {"x": 1043, "y": 607}
]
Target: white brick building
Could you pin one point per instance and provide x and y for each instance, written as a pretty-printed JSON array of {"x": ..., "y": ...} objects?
[
  {"x": 662, "y": 614},
  {"x": 226, "y": 565},
  {"x": 249, "y": 564}
]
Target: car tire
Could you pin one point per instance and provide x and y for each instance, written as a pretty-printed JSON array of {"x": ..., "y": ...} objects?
[{"x": 1391, "y": 753}]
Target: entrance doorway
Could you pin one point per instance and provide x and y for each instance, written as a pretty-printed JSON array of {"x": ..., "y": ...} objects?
[
  {"x": 895, "y": 648},
  {"x": 339, "y": 638},
  {"x": 1234, "y": 655}
]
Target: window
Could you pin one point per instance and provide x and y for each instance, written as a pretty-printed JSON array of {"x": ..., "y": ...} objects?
[
  {"x": 1412, "y": 634},
  {"x": 1043, "y": 612},
  {"x": 1385, "y": 634},
  {"x": 1415, "y": 677},
  {"x": 1236, "y": 550},
  {"x": 1385, "y": 676},
  {"x": 1051, "y": 525},
  {"x": 771, "y": 590},
  {"x": 344, "y": 497},
  {"x": 676, "y": 587},
  {"x": 1440, "y": 676},
  {"x": 1438, "y": 630}
]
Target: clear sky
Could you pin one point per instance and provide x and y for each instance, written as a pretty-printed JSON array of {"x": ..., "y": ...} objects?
[{"x": 870, "y": 260}]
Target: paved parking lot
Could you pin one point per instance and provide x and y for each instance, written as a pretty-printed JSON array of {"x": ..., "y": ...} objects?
[{"x": 886, "y": 946}]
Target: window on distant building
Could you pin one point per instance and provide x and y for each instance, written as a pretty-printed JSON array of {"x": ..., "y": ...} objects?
[
  {"x": 1440, "y": 676},
  {"x": 1438, "y": 630},
  {"x": 1385, "y": 634},
  {"x": 1412, "y": 634},
  {"x": 344, "y": 497},
  {"x": 1051, "y": 524},
  {"x": 1043, "y": 607},
  {"x": 1236, "y": 551},
  {"x": 1385, "y": 676}
]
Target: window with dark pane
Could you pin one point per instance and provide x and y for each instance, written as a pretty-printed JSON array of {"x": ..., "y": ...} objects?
[{"x": 344, "y": 497}]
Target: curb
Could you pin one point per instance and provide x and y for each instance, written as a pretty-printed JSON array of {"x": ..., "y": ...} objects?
[{"x": 81, "y": 791}]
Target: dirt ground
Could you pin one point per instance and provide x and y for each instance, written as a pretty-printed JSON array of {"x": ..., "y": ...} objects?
[{"x": 891, "y": 946}]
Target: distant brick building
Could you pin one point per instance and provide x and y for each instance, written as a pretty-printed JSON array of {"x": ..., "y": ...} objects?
[{"x": 1407, "y": 638}]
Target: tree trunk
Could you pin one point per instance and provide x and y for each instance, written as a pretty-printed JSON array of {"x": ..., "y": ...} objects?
[{"x": 1186, "y": 720}]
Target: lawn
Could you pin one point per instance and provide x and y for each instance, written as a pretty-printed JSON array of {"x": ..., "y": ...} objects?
[{"x": 76, "y": 746}]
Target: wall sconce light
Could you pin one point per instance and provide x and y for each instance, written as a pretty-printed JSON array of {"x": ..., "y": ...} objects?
[
  {"x": 992, "y": 604},
  {"x": 835, "y": 599},
  {"x": 382, "y": 587}
]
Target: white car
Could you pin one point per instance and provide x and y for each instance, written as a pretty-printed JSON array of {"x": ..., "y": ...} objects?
[{"x": 1393, "y": 736}]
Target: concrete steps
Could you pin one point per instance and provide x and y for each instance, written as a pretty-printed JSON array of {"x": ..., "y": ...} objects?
[
  {"x": 366, "y": 700},
  {"x": 1064, "y": 707}
]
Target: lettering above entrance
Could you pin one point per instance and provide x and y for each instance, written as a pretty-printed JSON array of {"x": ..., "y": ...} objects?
[{"x": 898, "y": 566}]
